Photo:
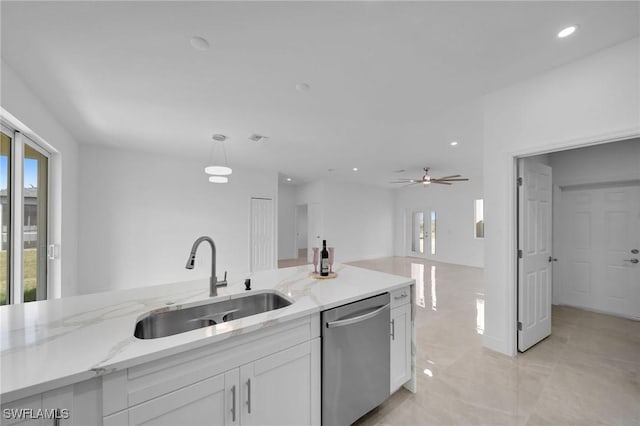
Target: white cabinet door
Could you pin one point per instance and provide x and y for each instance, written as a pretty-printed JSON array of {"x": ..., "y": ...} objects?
[
  {"x": 203, "y": 403},
  {"x": 23, "y": 412},
  {"x": 400, "y": 346},
  {"x": 277, "y": 389}
]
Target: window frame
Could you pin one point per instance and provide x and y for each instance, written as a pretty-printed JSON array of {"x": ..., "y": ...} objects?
[{"x": 15, "y": 262}]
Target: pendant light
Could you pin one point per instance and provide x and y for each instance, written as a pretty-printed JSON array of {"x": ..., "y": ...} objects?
[{"x": 219, "y": 166}]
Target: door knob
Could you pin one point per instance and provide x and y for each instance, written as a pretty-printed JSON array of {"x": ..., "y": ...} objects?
[
  {"x": 635, "y": 251},
  {"x": 631, "y": 260},
  {"x": 553, "y": 259}
]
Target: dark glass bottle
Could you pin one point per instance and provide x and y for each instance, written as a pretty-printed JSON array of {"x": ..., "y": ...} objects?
[{"x": 324, "y": 260}]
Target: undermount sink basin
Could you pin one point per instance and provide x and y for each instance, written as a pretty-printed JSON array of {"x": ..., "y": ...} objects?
[{"x": 167, "y": 323}]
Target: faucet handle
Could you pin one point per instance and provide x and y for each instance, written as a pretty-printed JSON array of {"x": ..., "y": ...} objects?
[{"x": 224, "y": 282}]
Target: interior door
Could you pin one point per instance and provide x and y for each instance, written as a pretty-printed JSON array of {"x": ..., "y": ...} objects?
[
  {"x": 600, "y": 232},
  {"x": 534, "y": 252},
  {"x": 262, "y": 234},
  {"x": 315, "y": 228}
]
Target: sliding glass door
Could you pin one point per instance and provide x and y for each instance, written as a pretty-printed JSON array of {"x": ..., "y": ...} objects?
[
  {"x": 34, "y": 226},
  {"x": 24, "y": 181},
  {"x": 5, "y": 218}
]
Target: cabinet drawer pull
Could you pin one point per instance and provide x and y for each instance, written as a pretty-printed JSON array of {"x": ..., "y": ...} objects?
[
  {"x": 249, "y": 396},
  {"x": 233, "y": 403},
  {"x": 393, "y": 329},
  {"x": 402, "y": 296}
]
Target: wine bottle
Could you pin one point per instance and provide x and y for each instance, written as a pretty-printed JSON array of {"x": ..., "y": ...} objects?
[{"x": 324, "y": 260}]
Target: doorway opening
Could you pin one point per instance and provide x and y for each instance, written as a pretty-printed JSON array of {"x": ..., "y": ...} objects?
[
  {"x": 301, "y": 232},
  {"x": 578, "y": 240}
]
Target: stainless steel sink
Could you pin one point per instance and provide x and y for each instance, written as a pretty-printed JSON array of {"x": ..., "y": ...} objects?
[{"x": 166, "y": 323}]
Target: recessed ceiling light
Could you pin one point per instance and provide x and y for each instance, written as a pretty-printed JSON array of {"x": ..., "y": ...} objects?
[
  {"x": 331, "y": 170},
  {"x": 303, "y": 87},
  {"x": 567, "y": 31},
  {"x": 289, "y": 179},
  {"x": 399, "y": 171},
  {"x": 219, "y": 137},
  {"x": 355, "y": 169},
  {"x": 454, "y": 143},
  {"x": 218, "y": 179},
  {"x": 199, "y": 43}
]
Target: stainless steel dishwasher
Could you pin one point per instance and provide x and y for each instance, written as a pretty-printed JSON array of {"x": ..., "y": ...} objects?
[{"x": 355, "y": 359}]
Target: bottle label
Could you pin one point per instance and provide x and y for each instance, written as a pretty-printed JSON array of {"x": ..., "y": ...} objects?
[{"x": 324, "y": 266}]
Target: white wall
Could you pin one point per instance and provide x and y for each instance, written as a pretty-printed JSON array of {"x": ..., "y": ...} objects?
[
  {"x": 23, "y": 104},
  {"x": 286, "y": 222},
  {"x": 141, "y": 212},
  {"x": 612, "y": 162},
  {"x": 355, "y": 219},
  {"x": 606, "y": 163},
  {"x": 593, "y": 99},
  {"x": 358, "y": 221},
  {"x": 454, "y": 207}
]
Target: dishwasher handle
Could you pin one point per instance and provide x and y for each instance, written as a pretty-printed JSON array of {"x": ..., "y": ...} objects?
[{"x": 359, "y": 318}]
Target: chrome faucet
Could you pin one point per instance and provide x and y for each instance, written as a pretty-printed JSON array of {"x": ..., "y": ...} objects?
[{"x": 213, "y": 281}]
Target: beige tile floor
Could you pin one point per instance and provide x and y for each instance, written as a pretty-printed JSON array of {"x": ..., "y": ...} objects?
[
  {"x": 586, "y": 373},
  {"x": 300, "y": 260}
]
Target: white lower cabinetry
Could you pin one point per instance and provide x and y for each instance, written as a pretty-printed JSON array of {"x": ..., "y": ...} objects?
[
  {"x": 203, "y": 403},
  {"x": 400, "y": 339},
  {"x": 73, "y": 405},
  {"x": 267, "y": 386},
  {"x": 276, "y": 389}
]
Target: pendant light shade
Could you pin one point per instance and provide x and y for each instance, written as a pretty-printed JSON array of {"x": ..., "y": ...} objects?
[
  {"x": 218, "y": 170},
  {"x": 219, "y": 167},
  {"x": 218, "y": 179}
]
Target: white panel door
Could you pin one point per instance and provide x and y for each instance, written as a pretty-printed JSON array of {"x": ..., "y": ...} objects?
[
  {"x": 262, "y": 234},
  {"x": 600, "y": 229},
  {"x": 534, "y": 242}
]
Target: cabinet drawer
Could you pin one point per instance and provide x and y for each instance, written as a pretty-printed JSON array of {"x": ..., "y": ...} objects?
[{"x": 400, "y": 297}]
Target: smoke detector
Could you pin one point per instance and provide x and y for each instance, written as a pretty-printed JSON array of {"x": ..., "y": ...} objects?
[{"x": 258, "y": 138}]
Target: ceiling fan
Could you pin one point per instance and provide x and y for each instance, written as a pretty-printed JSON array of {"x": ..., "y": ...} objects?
[{"x": 427, "y": 180}]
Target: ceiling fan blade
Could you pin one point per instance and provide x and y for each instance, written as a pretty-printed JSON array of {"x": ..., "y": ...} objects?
[
  {"x": 441, "y": 183},
  {"x": 450, "y": 180},
  {"x": 405, "y": 181},
  {"x": 447, "y": 177}
]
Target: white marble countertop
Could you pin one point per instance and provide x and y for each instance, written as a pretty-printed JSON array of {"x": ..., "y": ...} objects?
[{"x": 48, "y": 344}]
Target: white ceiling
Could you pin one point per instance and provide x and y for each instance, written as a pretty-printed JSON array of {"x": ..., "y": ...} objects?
[{"x": 124, "y": 74}]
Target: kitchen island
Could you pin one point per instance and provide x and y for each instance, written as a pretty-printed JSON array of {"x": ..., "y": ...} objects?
[{"x": 79, "y": 353}]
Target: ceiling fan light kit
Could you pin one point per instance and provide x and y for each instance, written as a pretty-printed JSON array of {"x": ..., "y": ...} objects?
[{"x": 428, "y": 180}]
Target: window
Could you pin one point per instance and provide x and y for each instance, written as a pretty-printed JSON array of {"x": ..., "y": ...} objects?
[
  {"x": 24, "y": 181},
  {"x": 479, "y": 219},
  {"x": 433, "y": 232}
]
